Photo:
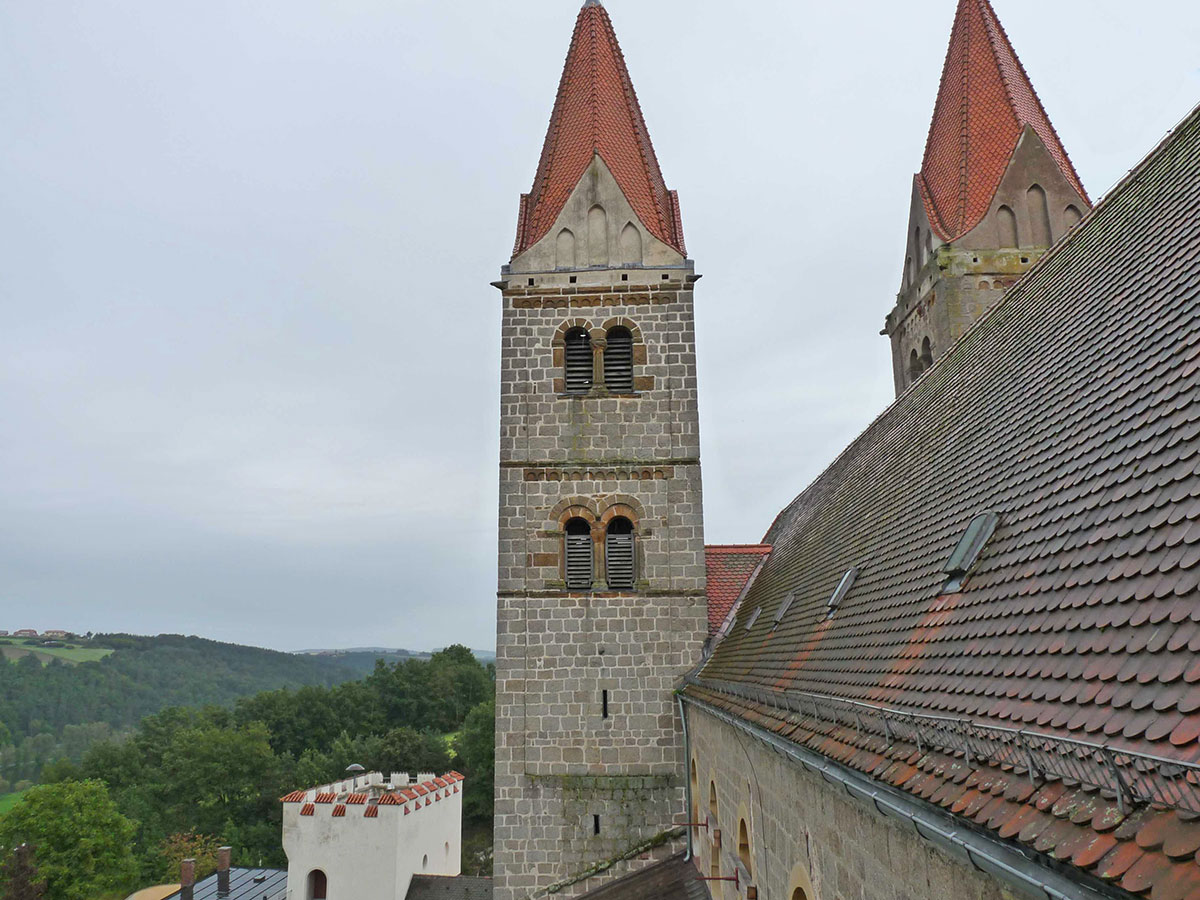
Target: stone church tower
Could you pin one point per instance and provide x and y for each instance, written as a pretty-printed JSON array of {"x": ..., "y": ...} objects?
[
  {"x": 995, "y": 190},
  {"x": 601, "y": 580}
]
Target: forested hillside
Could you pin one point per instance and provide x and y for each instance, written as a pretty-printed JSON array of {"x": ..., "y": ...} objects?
[
  {"x": 57, "y": 710},
  {"x": 191, "y": 779}
]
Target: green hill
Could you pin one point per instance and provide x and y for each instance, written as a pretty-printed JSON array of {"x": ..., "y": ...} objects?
[{"x": 119, "y": 679}]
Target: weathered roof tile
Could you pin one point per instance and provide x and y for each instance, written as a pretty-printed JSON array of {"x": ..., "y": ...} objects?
[{"x": 1071, "y": 410}]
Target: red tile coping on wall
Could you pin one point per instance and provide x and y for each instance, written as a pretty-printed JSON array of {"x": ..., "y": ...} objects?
[
  {"x": 371, "y": 812},
  {"x": 597, "y": 113},
  {"x": 984, "y": 103},
  {"x": 433, "y": 790},
  {"x": 729, "y": 568}
]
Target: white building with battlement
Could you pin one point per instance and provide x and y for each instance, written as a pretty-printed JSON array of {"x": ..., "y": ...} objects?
[{"x": 366, "y": 837}]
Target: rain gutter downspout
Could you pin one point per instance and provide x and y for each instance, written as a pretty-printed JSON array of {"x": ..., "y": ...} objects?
[
  {"x": 687, "y": 776},
  {"x": 986, "y": 854}
]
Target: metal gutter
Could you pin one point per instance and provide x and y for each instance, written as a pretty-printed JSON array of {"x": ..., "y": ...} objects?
[
  {"x": 687, "y": 780},
  {"x": 1022, "y": 871}
]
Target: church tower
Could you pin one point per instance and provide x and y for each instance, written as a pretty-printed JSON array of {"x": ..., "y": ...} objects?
[
  {"x": 601, "y": 597},
  {"x": 995, "y": 190}
]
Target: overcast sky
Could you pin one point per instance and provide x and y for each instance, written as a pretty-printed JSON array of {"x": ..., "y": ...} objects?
[{"x": 248, "y": 351}]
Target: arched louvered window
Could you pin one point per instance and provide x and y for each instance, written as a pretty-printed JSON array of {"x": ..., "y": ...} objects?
[
  {"x": 914, "y": 366},
  {"x": 619, "y": 554},
  {"x": 578, "y": 554},
  {"x": 618, "y": 361},
  {"x": 578, "y": 361},
  {"x": 926, "y": 355},
  {"x": 317, "y": 885}
]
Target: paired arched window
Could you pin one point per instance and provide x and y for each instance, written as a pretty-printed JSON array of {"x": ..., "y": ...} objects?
[
  {"x": 618, "y": 361},
  {"x": 578, "y": 555},
  {"x": 578, "y": 356},
  {"x": 926, "y": 355},
  {"x": 582, "y": 371},
  {"x": 619, "y": 554},
  {"x": 318, "y": 885}
]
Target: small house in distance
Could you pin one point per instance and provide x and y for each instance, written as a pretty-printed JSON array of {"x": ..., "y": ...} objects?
[{"x": 25, "y": 632}]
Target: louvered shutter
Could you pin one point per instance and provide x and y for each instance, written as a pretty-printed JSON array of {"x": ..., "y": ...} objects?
[
  {"x": 618, "y": 560},
  {"x": 578, "y": 362},
  {"x": 579, "y": 561},
  {"x": 618, "y": 361}
]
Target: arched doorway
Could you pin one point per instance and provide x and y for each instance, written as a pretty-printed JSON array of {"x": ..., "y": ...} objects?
[{"x": 318, "y": 885}]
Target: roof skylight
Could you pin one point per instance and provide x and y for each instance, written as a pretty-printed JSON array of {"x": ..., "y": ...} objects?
[
  {"x": 969, "y": 549},
  {"x": 843, "y": 589},
  {"x": 783, "y": 608}
]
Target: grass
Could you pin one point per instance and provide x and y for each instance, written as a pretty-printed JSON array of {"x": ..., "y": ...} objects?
[
  {"x": 8, "y": 801},
  {"x": 72, "y": 655}
]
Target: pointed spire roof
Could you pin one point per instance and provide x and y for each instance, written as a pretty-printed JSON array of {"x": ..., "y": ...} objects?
[
  {"x": 984, "y": 104},
  {"x": 597, "y": 112}
]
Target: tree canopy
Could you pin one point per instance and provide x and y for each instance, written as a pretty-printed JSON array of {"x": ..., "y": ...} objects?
[{"x": 83, "y": 844}]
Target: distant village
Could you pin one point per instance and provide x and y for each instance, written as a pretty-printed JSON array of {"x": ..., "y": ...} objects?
[{"x": 51, "y": 634}]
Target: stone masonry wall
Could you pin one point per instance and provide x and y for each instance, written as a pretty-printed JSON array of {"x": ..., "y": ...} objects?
[
  {"x": 560, "y": 763},
  {"x": 807, "y": 834},
  {"x": 951, "y": 294}
]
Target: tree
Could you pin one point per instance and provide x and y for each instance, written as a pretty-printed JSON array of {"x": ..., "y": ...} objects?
[
  {"x": 84, "y": 845},
  {"x": 188, "y": 845},
  {"x": 475, "y": 748},
  {"x": 408, "y": 750},
  {"x": 19, "y": 876}
]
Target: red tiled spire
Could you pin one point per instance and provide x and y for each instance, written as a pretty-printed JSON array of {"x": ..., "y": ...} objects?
[
  {"x": 597, "y": 112},
  {"x": 984, "y": 103}
]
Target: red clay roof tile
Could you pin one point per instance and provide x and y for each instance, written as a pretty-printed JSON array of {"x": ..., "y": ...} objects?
[
  {"x": 729, "y": 570},
  {"x": 984, "y": 103},
  {"x": 597, "y": 112},
  {"x": 1081, "y": 390}
]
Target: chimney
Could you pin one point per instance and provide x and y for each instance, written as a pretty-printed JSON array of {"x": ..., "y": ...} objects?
[
  {"x": 224, "y": 856},
  {"x": 187, "y": 879}
]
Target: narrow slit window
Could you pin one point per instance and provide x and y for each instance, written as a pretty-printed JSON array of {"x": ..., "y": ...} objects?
[
  {"x": 595, "y": 825},
  {"x": 604, "y": 703},
  {"x": 618, "y": 361},
  {"x": 578, "y": 554},
  {"x": 578, "y": 375},
  {"x": 619, "y": 555}
]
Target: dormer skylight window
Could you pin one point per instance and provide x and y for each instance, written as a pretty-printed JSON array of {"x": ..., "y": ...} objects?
[
  {"x": 783, "y": 608},
  {"x": 969, "y": 549},
  {"x": 843, "y": 589}
]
